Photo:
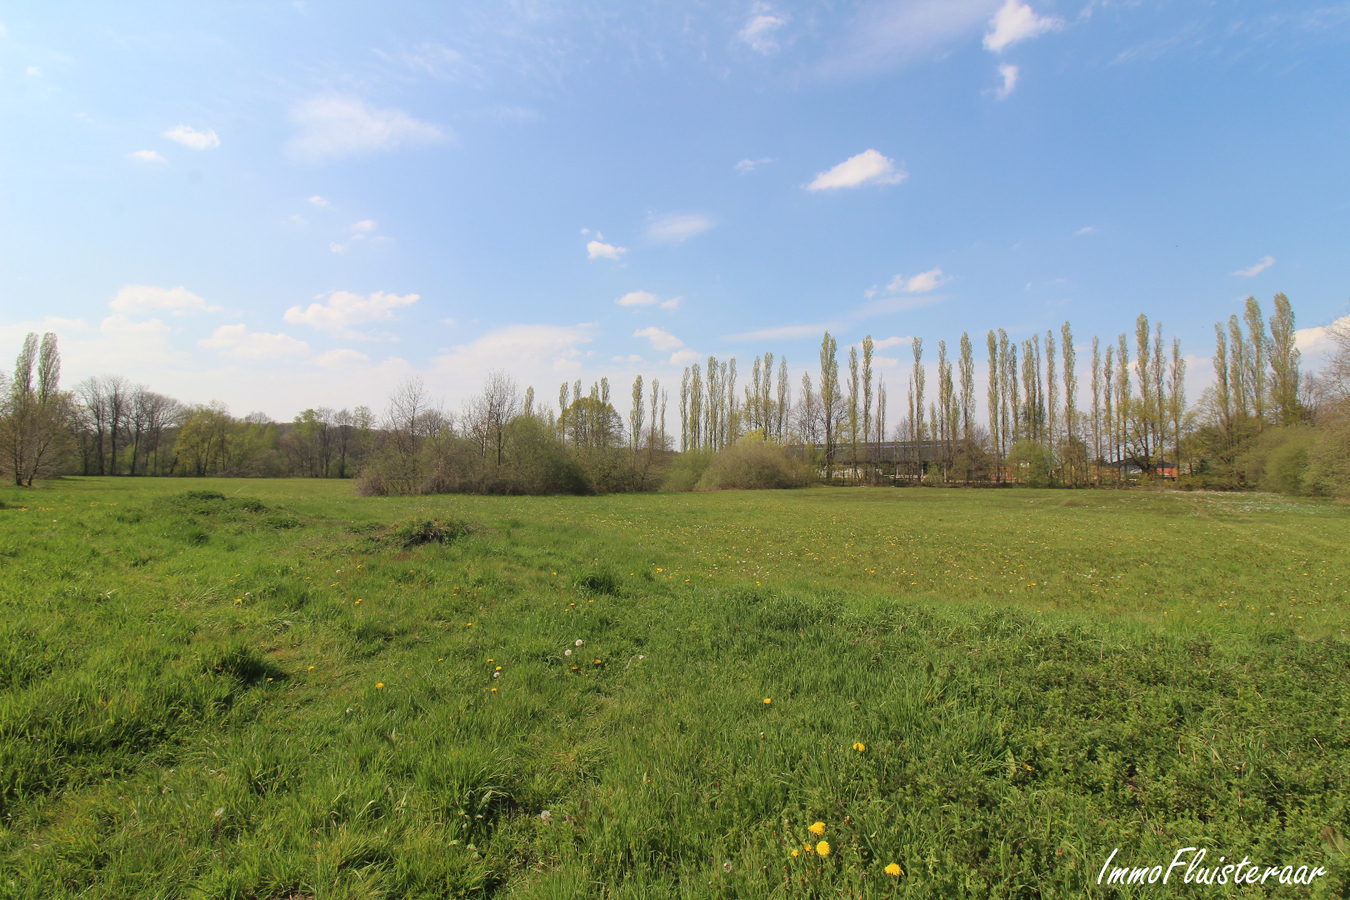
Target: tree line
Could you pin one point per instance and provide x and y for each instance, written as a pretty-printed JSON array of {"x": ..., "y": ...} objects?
[{"x": 1263, "y": 423}]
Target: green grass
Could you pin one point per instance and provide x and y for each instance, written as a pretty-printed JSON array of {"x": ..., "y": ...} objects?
[{"x": 194, "y": 703}]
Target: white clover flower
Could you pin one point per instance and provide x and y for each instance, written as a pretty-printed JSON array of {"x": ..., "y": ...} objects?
[
  {"x": 567, "y": 653},
  {"x": 580, "y": 642}
]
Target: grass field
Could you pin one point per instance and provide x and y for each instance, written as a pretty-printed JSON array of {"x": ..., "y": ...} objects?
[{"x": 289, "y": 692}]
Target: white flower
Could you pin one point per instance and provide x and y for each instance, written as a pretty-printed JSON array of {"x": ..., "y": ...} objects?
[
  {"x": 580, "y": 642},
  {"x": 567, "y": 653},
  {"x": 496, "y": 674}
]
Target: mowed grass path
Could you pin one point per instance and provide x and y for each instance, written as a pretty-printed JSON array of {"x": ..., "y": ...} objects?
[{"x": 988, "y": 689}]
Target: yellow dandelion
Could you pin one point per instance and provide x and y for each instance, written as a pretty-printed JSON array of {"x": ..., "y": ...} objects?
[
  {"x": 597, "y": 662},
  {"x": 860, "y": 746},
  {"x": 311, "y": 668},
  {"x": 490, "y": 659},
  {"x": 817, "y": 829},
  {"x": 358, "y": 599},
  {"x": 823, "y": 848},
  {"x": 499, "y": 668},
  {"x": 494, "y": 690},
  {"x": 379, "y": 685},
  {"x": 894, "y": 871},
  {"x": 794, "y": 854},
  {"x": 768, "y": 700}
]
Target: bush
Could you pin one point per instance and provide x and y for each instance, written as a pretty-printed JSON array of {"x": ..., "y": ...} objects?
[
  {"x": 1029, "y": 464},
  {"x": 752, "y": 465},
  {"x": 686, "y": 470},
  {"x": 1328, "y": 472}
]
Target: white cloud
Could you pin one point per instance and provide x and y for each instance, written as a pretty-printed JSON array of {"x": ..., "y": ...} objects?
[
  {"x": 889, "y": 33},
  {"x": 341, "y": 358},
  {"x": 192, "y": 138},
  {"x": 660, "y": 338},
  {"x": 1265, "y": 263},
  {"x": 1317, "y": 341},
  {"x": 596, "y": 250},
  {"x": 638, "y": 298},
  {"x": 149, "y": 156},
  {"x": 344, "y": 309},
  {"x": 365, "y": 225},
  {"x": 31, "y": 70},
  {"x": 238, "y": 341},
  {"x": 538, "y": 352},
  {"x": 1009, "y": 75},
  {"x": 684, "y": 357},
  {"x": 1087, "y": 229},
  {"x": 677, "y": 228},
  {"x": 141, "y": 297},
  {"x": 672, "y": 303},
  {"x": 337, "y": 127},
  {"x": 1015, "y": 22},
  {"x": 746, "y": 166},
  {"x": 891, "y": 342},
  {"x": 338, "y": 248},
  {"x": 917, "y": 284},
  {"x": 868, "y": 167},
  {"x": 317, "y": 200},
  {"x": 297, "y": 220},
  {"x": 782, "y": 332},
  {"x": 759, "y": 29}
]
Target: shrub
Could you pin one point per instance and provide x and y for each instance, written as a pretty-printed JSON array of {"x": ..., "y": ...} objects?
[
  {"x": 686, "y": 470},
  {"x": 1328, "y": 472},
  {"x": 752, "y": 465}
]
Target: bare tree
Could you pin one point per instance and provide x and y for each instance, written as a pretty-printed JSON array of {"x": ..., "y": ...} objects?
[{"x": 487, "y": 415}]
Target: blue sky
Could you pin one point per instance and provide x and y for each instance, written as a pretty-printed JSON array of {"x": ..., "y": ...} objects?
[{"x": 290, "y": 204}]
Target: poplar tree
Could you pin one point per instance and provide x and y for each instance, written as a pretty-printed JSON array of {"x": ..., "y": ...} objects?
[
  {"x": 1124, "y": 397},
  {"x": 867, "y": 392},
  {"x": 1108, "y": 400},
  {"x": 684, "y": 411},
  {"x": 994, "y": 394},
  {"x": 1223, "y": 398},
  {"x": 829, "y": 396},
  {"x": 1051, "y": 393},
  {"x": 1144, "y": 409},
  {"x": 916, "y": 411},
  {"x": 853, "y": 411},
  {"x": 1070, "y": 387},
  {"x": 635, "y": 417},
  {"x": 1284, "y": 363},
  {"x": 1256, "y": 361},
  {"x": 1237, "y": 370},
  {"x": 564, "y": 394},
  {"x": 784, "y": 398},
  {"x": 1096, "y": 402},
  {"x": 967, "y": 369},
  {"x": 1176, "y": 399},
  {"x": 1160, "y": 405}
]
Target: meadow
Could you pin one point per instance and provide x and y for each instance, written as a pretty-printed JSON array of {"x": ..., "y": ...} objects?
[{"x": 274, "y": 689}]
